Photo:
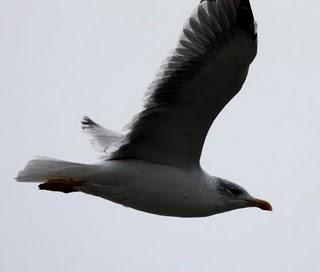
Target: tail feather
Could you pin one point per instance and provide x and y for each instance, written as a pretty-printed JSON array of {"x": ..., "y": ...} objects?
[{"x": 45, "y": 169}]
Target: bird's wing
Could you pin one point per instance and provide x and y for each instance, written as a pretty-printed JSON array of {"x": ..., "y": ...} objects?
[
  {"x": 102, "y": 139},
  {"x": 203, "y": 73}
]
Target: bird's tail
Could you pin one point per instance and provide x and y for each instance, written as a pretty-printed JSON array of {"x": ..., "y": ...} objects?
[{"x": 56, "y": 175}]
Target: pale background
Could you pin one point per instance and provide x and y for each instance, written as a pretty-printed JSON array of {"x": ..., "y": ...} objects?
[{"x": 63, "y": 59}]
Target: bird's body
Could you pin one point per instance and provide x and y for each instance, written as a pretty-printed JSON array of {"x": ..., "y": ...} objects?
[
  {"x": 155, "y": 188},
  {"x": 155, "y": 166}
]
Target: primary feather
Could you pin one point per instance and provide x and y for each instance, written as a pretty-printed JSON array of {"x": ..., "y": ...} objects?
[{"x": 102, "y": 139}]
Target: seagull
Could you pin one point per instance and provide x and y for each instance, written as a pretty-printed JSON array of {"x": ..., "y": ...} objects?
[{"x": 154, "y": 166}]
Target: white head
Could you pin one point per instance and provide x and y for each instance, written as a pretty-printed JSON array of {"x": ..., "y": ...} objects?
[{"x": 232, "y": 196}]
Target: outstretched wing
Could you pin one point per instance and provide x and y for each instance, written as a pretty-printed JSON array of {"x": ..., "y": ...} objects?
[
  {"x": 204, "y": 72},
  {"x": 102, "y": 139}
]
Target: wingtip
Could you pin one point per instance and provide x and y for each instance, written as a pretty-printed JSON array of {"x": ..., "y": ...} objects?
[
  {"x": 87, "y": 122},
  {"x": 246, "y": 18}
]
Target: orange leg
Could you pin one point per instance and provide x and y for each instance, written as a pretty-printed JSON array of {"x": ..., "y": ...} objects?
[{"x": 61, "y": 185}]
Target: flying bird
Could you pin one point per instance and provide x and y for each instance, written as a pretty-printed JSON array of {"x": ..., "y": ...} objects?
[{"x": 154, "y": 167}]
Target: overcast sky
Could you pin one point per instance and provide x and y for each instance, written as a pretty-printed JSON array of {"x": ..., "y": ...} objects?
[{"x": 63, "y": 59}]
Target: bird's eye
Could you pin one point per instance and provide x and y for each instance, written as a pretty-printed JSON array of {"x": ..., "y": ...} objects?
[{"x": 234, "y": 191}]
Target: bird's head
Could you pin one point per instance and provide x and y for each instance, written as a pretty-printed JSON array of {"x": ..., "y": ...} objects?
[{"x": 234, "y": 197}]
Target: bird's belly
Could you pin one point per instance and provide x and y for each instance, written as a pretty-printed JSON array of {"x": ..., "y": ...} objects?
[{"x": 153, "y": 188}]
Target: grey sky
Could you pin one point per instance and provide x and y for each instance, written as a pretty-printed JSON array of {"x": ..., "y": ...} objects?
[{"x": 63, "y": 59}]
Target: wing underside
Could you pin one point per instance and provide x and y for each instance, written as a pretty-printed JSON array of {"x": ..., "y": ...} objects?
[{"x": 201, "y": 75}]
